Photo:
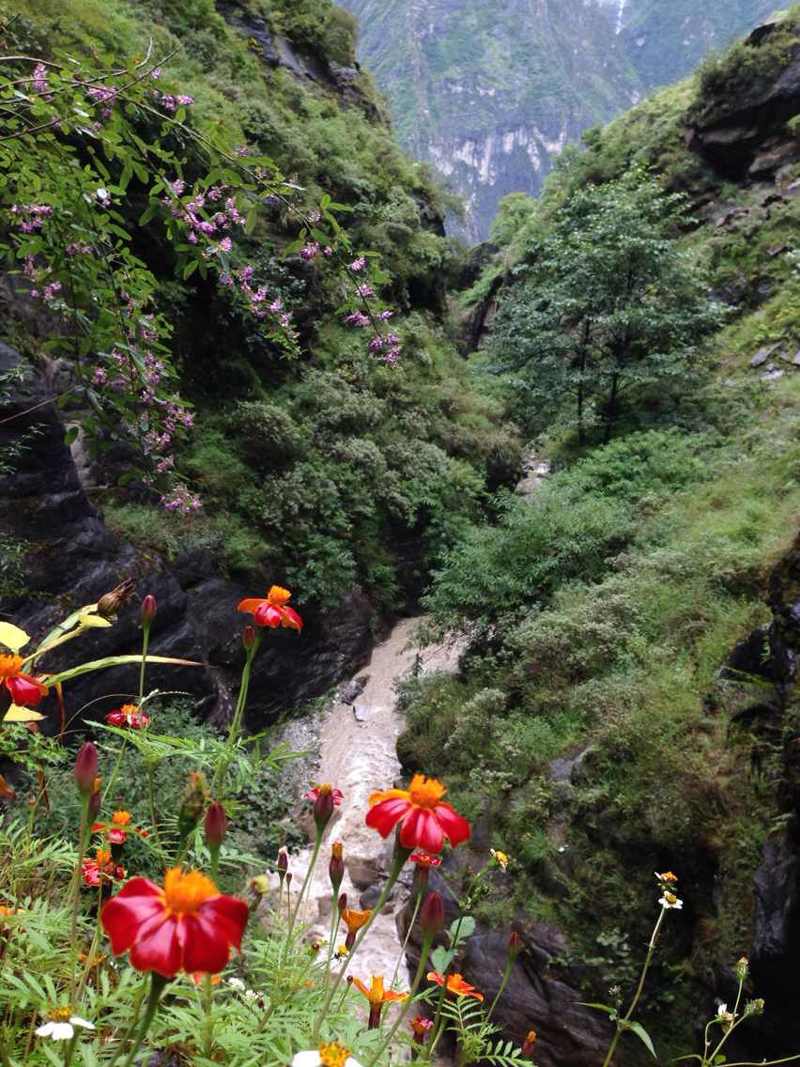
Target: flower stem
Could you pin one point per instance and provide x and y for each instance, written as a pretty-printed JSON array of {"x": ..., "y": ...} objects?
[
  {"x": 294, "y": 912},
  {"x": 506, "y": 976},
  {"x": 622, "y": 1023},
  {"x": 157, "y": 984},
  {"x": 426, "y": 948},
  {"x": 76, "y": 893},
  {"x": 236, "y": 721},
  {"x": 151, "y": 778},
  {"x": 406, "y": 939},
  {"x": 400, "y": 857},
  {"x": 145, "y": 643}
]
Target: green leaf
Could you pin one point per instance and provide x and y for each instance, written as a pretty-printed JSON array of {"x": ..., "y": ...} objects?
[
  {"x": 252, "y": 218},
  {"x": 599, "y": 1007},
  {"x": 190, "y": 268},
  {"x": 71, "y": 434},
  {"x": 644, "y": 1037},
  {"x": 441, "y": 959}
]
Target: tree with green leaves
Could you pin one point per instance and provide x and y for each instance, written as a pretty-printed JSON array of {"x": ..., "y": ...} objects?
[{"x": 609, "y": 309}]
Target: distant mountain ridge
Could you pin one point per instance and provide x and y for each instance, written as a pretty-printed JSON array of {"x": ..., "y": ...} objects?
[{"x": 491, "y": 92}]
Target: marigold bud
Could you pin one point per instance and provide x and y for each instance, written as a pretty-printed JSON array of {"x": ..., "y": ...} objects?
[
  {"x": 194, "y": 800},
  {"x": 149, "y": 609},
  {"x": 514, "y": 946},
  {"x": 248, "y": 637},
  {"x": 323, "y": 806},
  {"x": 528, "y": 1043},
  {"x": 342, "y": 903},
  {"x": 86, "y": 768},
  {"x": 431, "y": 915},
  {"x": 283, "y": 864},
  {"x": 216, "y": 825},
  {"x": 109, "y": 603},
  {"x": 336, "y": 866}
]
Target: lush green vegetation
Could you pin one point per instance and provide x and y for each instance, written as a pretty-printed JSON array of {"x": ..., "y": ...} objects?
[
  {"x": 600, "y": 610},
  {"x": 313, "y": 457}
]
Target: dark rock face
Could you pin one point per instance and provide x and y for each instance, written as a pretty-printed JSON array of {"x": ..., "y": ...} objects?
[
  {"x": 72, "y": 559},
  {"x": 748, "y": 138},
  {"x": 569, "y": 1035}
]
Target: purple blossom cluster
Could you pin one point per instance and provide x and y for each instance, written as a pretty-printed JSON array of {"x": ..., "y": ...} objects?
[
  {"x": 181, "y": 500},
  {"x": 310, "y": 251},
  {"x": 101, "y": 94},
  {"x": 357, "y": 264},
  {"x": 30, "y": 217},
  {"x": 39, "y": 80},
  {"x": 171, "y": 102}
]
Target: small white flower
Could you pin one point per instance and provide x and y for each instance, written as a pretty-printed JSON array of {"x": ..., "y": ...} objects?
[
  {"x": 323, "y": 1057},
  {"x": 669, "y": 900},
  {"x": 60, "y": 1029},
  {"x": 725, "y": 1016},
  {"x": 237, "y": 984}
]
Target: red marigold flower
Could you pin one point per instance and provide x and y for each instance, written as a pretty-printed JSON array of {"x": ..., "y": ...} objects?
[
  {"x": 186, "y": 926},
  {"x": 272, "y": 610},
  {"x": 101, "y": 868},
  {"x": 128, "y": 715},
  {"x": 422, "y": 859},
  {"x": 426, "y": 820},
  {"x": 25, "y": 690},
  {"x": 455, "y": 984},
  {"x": 337, "y": 794},
  {"x": 119, "y": 828}
]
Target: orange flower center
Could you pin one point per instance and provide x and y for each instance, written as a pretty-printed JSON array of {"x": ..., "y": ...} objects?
[
  {"x": 129, "y": 710},
  {"x": 324, "y": 789},
  {"x": 336, "y": 850},
  {"x": 425, "y": 792},
  {"x": 121, "y": 818},
  {"x": 10, "y": 666},
  {"x": 184, "y": 894},
  {"x": 278, "y": 596},
  {"x": 102, "y": 857},
  {"x": 59, "y": 1015},
  {"x": 333, "y": 1055}
]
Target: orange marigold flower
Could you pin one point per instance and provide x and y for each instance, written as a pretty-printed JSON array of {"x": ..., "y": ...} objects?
[
  {"x": 24, "y": 689},
  {"x": 128, "y": 715},
  {"x": 425, "y": 819},
  {"x": 377, "y": 997},
  {"x": 455, "y": 984},
  {"x": 353, "y": 920},
  {"x": 187, "y": 925},
  {"x": 118, "y": 829},
  {"x": 272, "y": 610},
  {"x": 420, "y": 1026}
]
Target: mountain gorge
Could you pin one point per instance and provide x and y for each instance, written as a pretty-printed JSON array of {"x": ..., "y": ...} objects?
[{"x": 490, "y": 94}]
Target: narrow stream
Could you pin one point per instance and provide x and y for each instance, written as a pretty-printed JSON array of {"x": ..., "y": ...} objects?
[{"x": 357, "y": 755}]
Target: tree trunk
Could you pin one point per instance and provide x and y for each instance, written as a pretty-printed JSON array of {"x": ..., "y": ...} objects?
[{"x": 611, "y": 409}]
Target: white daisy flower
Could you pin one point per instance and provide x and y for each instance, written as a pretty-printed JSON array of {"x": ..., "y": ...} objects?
[
  {"x": 724, "y": 1015},
  {"x": 237, "y": 984},
  {"x": 333, "y": 1055},
  {"x": 60, "y": 1025},
  {"x": 669, "y": 900}
]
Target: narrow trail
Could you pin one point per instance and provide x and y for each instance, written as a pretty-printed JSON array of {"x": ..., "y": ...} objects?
[{"x": 357, "y": 750}]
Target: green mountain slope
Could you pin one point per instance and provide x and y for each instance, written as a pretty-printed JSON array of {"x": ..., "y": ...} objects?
[{"x": 491, "y": 93}]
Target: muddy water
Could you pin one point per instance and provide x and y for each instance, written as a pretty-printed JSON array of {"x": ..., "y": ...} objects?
[{"x": 357, "y": 755}]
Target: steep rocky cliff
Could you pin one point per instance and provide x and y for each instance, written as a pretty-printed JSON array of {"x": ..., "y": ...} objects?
[{"x": 491, "y": 93}]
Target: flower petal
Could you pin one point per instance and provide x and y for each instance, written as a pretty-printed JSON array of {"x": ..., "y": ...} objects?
[
  {"x": 311, "y": 1058},
  {"x": 12, "y": 637},
  {"x": 138, "y": 901},
  {"x": 385, "y": 815},
  {"x": 291, "y": 618},
  {"x": 267, "y": 614},
  {"x": 249, "y": 604},
  {"x": 25, "y": 690},
  {"x": 421, "y": 829},
  {"x": 454, "y": 825},
  {"x": 158, "y": 948},
  {"x": 229, "y": 915},
  {"x": 206, "y": 948}
]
